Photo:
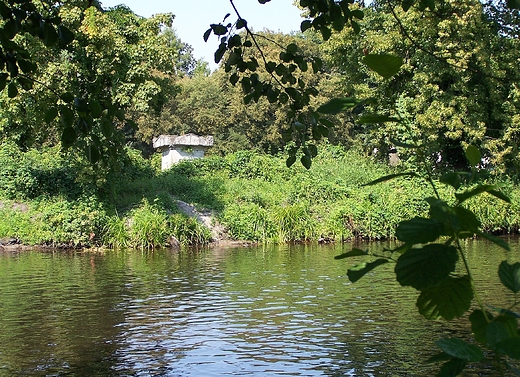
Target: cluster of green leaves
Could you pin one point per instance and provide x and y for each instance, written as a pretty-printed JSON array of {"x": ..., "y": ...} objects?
[
  {"x": 89, "y": 77},
  {"x": 26, "y": 17}
]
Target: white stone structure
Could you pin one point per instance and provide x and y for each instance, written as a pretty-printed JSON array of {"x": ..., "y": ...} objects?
[{"x": 185, "y": 147}]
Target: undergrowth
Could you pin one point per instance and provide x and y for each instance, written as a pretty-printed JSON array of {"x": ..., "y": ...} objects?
[{"x": 45, "y": 200}]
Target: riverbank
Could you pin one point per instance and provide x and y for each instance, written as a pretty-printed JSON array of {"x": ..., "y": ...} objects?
[{"x": 246, "y": 197}]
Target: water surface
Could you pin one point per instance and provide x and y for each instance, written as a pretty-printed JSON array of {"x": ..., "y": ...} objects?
[{"x": 275, "y": 311}]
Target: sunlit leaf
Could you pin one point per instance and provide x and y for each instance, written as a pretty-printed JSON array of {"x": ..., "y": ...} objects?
[
  {"x": 385, "y": 65},
  {"x": 353, "y": 253},
  {"x": 358, "y": 271},
  {"x": 423, "y": 267},
  {"x": 448, "y": 300},
  {"x": 510, "y": 275},
  {"x": 460, "y": 349}
]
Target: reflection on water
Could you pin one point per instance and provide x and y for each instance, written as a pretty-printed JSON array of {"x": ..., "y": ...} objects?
[{"x": 266, "y": 312}]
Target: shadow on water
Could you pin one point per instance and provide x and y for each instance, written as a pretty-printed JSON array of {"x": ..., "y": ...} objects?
[{"x": 271, "y": 311}]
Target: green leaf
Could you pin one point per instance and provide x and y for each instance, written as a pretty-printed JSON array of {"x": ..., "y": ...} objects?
[
  {"x": 50, "y": 115},
  {"x": 467, "y": 220},
  {"x": 403, "y": 145},
  {"x": 441, "y": 356},
  {"x": 325, "y": 32},
  {"x": 473, "y": 155},
  {"x": 219, "y": 29},
  {"x": 424, "y": 267},
  {"x": 27, "y": 66},
  {"x": 376, "y": 118},
  {"x": 12, "y": 90},
  {"x": 206, "y": 35},
  {"x": 452, "y": 179},
  {"x": 93, "y": 154},
  {"x": 48, "y": 34},
  {"x": 96, "y": 109},
  {"x": 305, "y": 25},
  {"x": 500, "y": 195},
  {"x": 479, "y": 325},
  {"x": 418, "y": 230},
  {"x": 3, "y": 80},
  {"x": 510, "y": 347},
  {"x": 501, "y": 329},
  {"x": 241, "y": 23},
  {"x": 292, "y": 48},
  {"x": 509, "y": 275},
  {"x": 68, "y": 137},
  {"x": 120, "y": 114},
  {"x": 385, "y": 65},
  {"x": 390, "y": 177},
  {"x": 407, "y": 4},
  {"x": 306, "y": 161},
  {"x": 513, "y": 4},
  {"x": 452, "y": 368},
  {"x": 67, "y": 97},
  {"x": 460, "y": 349},
  {"x": 358, "y": 271},
  {"x": 66, "y": 116},
  {"x": 66, "y": 36},
  {"x": 107, "y": 128},
  {"x": 337, "y": 105},
  {"x": 220, "y": 52},
  {"x": 290, "y": 161},
  {"x": 354, "y": 253},
  {"x": 448, "y": 300},
  {"x": 491, "y": 189}
]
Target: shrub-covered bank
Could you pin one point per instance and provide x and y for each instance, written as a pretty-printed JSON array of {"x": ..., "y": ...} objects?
[{"x": 50, "y": 199}]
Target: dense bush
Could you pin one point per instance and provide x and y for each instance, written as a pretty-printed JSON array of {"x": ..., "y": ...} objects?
[{"x": 254, "y": 195}]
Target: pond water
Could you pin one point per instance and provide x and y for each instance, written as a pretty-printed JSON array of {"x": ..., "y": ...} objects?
[{"x": 273, "y": 311}]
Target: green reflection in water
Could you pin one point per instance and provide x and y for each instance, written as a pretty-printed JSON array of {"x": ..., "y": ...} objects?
[{"x": 259, "y": 311}]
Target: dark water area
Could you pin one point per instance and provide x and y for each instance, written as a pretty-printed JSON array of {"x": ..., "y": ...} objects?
[{"x": 272, "y": 311}]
